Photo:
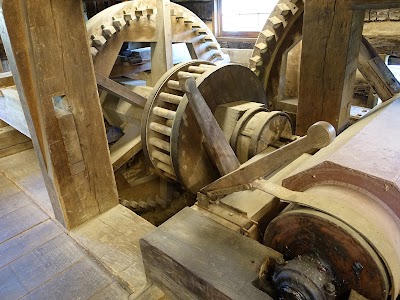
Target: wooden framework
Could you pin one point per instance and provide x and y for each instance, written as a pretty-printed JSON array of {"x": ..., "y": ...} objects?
[{"x": 58, "y": 93}]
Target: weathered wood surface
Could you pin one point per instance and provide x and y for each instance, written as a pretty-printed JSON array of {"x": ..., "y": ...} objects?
[
  {"x": 12, "y": 141},
  {"x": 161, "y": 51},
  {"x": 38, "y": 260},
  {"x": 376, "y": 72},
  {"x": 327, "y": 75},
  {"x": 113, "y": 239},
  {"x": 318, "y": 136},
  {"x": 370, "y": 4},
  {"x": 11, "y": 110},
  {"x": 44, "y": 69},
  {"x": 217, "y": 147},
  {"x": 192, "y": 257},
  {"x": 6, "y": 79},
  {"x": 119, "y": 90}
]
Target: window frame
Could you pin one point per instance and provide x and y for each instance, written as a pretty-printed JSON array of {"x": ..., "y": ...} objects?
[{"x": 247, "y": 36}]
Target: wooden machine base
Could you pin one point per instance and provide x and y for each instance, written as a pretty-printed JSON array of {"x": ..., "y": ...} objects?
[{"x": 192, "y": 257}]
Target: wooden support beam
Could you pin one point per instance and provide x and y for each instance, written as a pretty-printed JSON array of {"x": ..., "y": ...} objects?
[
  {"x": 331, "y": 42},
  {"x": 374, "y": 4},
  {"x": 119, "y": 90},
  {"x": 179, "y": 264},
  {"x": 11, "y": 110},
  {"x": 376, "y": 72},
  {"x": 6, "y": 80},
  {"x": 47, "y": 63},
  {"x": 161, "y": 51}
]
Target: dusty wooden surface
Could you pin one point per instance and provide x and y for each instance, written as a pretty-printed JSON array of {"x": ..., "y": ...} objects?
[
  {"x": 45, "y": 72},
  {"x": 38, "y": 260},
  {"x": 192, "y": 257},
  {"x": 12, "y": 141}
]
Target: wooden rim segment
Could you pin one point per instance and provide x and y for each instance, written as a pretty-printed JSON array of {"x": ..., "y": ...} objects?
[
  {"x": 135, "y": 21},
  {"x": 188, "y": 162}
]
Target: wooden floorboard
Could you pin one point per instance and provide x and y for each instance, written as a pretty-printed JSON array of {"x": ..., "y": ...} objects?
[
  {"x": 20, "y": 220},
  {"x": 28, "y": 241},
  {"x": 23, "y": 169},
  {"x": 81, "y": 281},
  {"x": 38, "y": 259}
]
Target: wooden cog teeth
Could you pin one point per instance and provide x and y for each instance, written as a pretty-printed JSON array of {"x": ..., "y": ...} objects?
[
  {"x": 160, "y": 144},
  {"x": 170, "y": 98},
  {"x": 128, "y": 17},
  {"x": 166, "y": 168},
  {"x": 108, "y": 31},
  {"x": 275, "y": 22},
  {"x": 187, "y": 21},
  {"x": 207, "y": 38},
  {"x": 196, "y": 26},
  {"x": 162, "y": 157},
  {"x": 164, "y": 113},
  {"x": 268, "y": 35},
  {"x": 98, "y": 40},
  {"x": 93, "y": 51},
  {"x": 174, "y": 85},
  {"x": 283, "y": 9},
  {"x": 218, "y": 55},
  {"x": 199, "y": 70},
  {"x": 261, "y": 47},
  {"x": 169, "y": 123},
  {"x": 257, "y": 72},
  {"x": 118, "y": 23},
  {"x": 256, "y": 60},
  {"x": 138, "y": 13},
  {"x": 213, "y": 46},
  {"x": 188, "y": 74},
  {"x": 165, "y": 130},
  {"x": 201, "y": 32}
]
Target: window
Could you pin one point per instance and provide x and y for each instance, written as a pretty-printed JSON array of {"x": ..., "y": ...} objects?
[{"x": 238, "y": 18}]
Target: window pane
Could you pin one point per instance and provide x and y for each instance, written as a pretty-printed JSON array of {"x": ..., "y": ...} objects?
[{"x": 248, "y": 15}]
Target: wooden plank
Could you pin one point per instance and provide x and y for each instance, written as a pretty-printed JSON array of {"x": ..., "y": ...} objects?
[
  {"x": 374, "y": 4},
  {"x": 28, "y": 241},
  {"x": 16, "y": 149},
  {"x": 13, "y": 202},
  {"x": 119, "y": 90},
  {"x": 6, "y": 79},
  {"x": 376, "y": 72},
  {"x": 20, "y": 220},
  {"x": 178, "y": 255},
  {"x": 9, "y": 137},
  {"x": 112, "y": 291},
  {"x": 327, "y": 74},
  {"x": 119, "y": 231},
  {"x": 11, "y": 110},
  {"x": 10, "y": 287},
  {"x": 161, "y": 51},
  {"x": 43, "y": 70},
  {"x": 24, "y": 171},
  {"x": 124, "y": 149},
  {"x": 84, "y": 280},
  {"x": 48, "y": 260}
]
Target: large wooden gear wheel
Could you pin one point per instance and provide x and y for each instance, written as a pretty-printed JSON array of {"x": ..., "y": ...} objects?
[
  {"x": 171, "y": 136},
  {"x": 136, "y": 21}
]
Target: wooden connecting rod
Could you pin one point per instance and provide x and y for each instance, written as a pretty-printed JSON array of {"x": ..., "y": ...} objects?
[{"x": 215, "y": 143}]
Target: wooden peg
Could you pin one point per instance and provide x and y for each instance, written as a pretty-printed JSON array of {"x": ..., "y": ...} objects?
[
  {"x": 108, "y": 31},
  {"x": 98, "y": 40},
  {"x": 118, "y": 23}
]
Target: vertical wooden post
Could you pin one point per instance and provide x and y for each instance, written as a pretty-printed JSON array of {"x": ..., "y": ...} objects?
[
  {"x": 331, "y": 42},
  {"x": 45, "y": 41},
  {"x": 161, "y": 52}
]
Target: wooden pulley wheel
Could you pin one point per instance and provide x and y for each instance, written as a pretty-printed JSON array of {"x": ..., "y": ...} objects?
[
  {"x": 171, "y": 136},
  {"x": 258, "y": 129},
  {"x": 339, "y": 250}
]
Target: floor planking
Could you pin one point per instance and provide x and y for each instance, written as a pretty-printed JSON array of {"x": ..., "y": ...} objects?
[{"x": 38, "y": 260}]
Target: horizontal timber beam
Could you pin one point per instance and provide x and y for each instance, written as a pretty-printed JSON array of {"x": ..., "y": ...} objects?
[{"x": 374, "y": 4}]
